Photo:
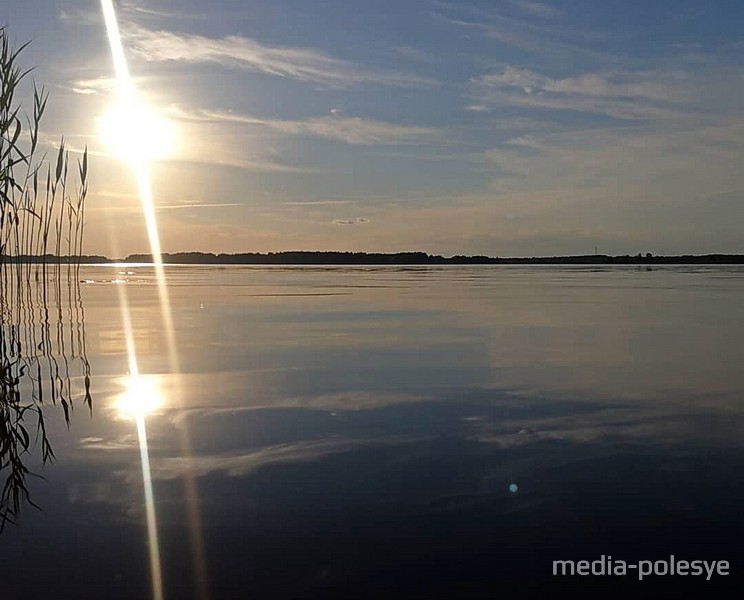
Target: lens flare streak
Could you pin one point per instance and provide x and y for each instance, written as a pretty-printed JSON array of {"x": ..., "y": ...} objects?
[{"x": 127, "y": 101}]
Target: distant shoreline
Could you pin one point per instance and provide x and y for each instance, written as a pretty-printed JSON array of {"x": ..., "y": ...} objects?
[{"x": 397, "y": 258}]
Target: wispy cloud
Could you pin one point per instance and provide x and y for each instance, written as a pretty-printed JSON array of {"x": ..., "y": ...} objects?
[
  {"x": 618, "y": 94},
  {"x": 357, "y": 221},
  {"x": 538, "y": 9},
  {"x": 136, "y": 208},
  {"x": 355, "y": 130},
  {"x": 79, "y": 16},
  {"x": 351, "y": 130},
  {"x": 118, "y": 195},
  {"x": 205, "y": 205},
  {"x": 613, "y": 85},
  {"x": 303, "y": 64},
  {"x": 524, "y": 31},
  {"x": 97, "y": 85},
  {"x": 239, "y": 161},
  {"x": 137, "y": 7},
  {"x": 317, "y": 202}
]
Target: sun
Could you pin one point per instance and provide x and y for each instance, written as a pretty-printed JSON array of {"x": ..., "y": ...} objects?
[{"x": 135, "y": 131}]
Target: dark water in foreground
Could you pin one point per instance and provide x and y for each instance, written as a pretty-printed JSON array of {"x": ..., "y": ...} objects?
[{"x": 354, "y": 433}]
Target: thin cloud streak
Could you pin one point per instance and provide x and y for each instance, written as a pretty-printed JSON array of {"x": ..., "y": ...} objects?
[
  {"x": 351, "y": 130},
  {"x": 534, "y": 8},
  {"x": 302, "y": 64},
  {"x": 618, "y": 94},
  {"x": 538, "y": 37},
  {"x": 164, "y": 206},
  {"x": 213, "y": 205}
]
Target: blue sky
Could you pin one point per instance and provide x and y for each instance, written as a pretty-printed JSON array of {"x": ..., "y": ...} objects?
[{"x": 505, "y": 127}]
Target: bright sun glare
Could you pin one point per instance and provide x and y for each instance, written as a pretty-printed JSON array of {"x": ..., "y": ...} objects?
[
  {"x": 142, "y": 396},
  {"x": 137, "y": 132}
]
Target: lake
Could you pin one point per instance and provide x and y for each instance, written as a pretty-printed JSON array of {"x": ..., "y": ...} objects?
[{"x": 377, "y": 432}]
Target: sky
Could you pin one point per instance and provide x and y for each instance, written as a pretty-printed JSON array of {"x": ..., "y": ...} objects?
[{"x": 499, "y": 127}]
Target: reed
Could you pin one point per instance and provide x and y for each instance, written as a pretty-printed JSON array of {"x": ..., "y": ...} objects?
[{"x": 40, "y": 299}]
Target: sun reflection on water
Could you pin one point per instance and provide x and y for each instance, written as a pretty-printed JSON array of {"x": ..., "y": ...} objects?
[{"x": 142, "y": 396}]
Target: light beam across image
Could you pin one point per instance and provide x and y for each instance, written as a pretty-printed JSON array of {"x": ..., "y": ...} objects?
[{"x": 137, "y": 134}]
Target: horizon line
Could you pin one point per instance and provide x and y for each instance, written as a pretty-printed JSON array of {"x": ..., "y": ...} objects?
[{"x": 321, "y": 257}]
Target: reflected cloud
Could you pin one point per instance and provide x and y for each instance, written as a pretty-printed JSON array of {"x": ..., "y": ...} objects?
[
  {"x": 126, "y": 442},
  {"x": 352, "y": 400},
  {"x": 237, "y": 465}
]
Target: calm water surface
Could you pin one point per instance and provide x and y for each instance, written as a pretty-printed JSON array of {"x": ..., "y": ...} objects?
[{"x": 353, "y": 432}]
